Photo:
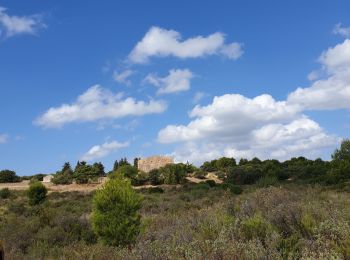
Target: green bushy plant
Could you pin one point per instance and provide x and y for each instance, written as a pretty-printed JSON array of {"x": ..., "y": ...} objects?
[
  {"x": 267, "y": 181},
  {"x": 36, "y": 193},
  {"x": 155, "y": 178},
  {"x": 200, "y": 174},
  {"x": 155, "y": 190},
  {"x": 126, "y": 171},
  {"x": 211, "y": 183},
  {"x": 5, "y": 193},
  {"x": 140, "y": 179},
  {"x": 235, "y": 189},
  {"x": 116, "y": 218},
  {"x": 256, "y": 227}
]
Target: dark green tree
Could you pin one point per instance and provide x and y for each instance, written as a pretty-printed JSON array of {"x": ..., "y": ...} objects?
[
  {"x": 99, "y": 169},
  {"x": 126, "y": 171},
  {"x": 342, "y": 153},
  {"x": 224, "y": 163},
  {"x": 115, "y": 216},
  {"x": 65, "y": 176},
  {"x": 8, "y": 176},
  {"x": 136, "y": 160}
]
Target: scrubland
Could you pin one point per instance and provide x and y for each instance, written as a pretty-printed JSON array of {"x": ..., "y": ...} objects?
[{"x": 194, "y": 221}]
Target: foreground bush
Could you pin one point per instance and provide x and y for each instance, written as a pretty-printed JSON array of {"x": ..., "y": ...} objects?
[
  {"x": 5, "y": 193},
  {"x": 115, "y": 216},
  {"x": 37, "y": 193}
]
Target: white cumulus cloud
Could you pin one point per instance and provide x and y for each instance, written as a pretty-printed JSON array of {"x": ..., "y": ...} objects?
[
  {"x": 11, "y": 25},
  {"x": 95, "y": 104},
  {"x": 332, "y": 91},
  {"x": 178, "y": 80},
  {"x": 228, "y": 118},
  {"x": 159, "y": 42},
  {"x": 237, "y": 126},
  {"x": 99, "y": 151}
]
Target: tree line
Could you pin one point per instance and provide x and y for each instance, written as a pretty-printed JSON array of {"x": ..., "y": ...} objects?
[{"x": 243, "y": 172}]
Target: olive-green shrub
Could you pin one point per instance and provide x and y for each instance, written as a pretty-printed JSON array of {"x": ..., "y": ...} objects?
[{"x": 115, "y": 217}]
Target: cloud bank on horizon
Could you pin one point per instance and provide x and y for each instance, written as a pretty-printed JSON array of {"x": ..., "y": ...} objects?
[
  {"x": 231, "y": 125},
  {"x": 243, "y": 127}
]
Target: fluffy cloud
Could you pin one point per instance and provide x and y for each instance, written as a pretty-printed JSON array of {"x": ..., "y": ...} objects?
[
  {"x": 99, "y": 151},
  {"x": 123, "y": 77},
  {"x": 229, "y": 118},
  {"x": 96, "y": 104},
  {"x": 15, "y": 25},
  {"x": 332, "y": 91},
  {"x": 177, "y": 81},
  {"x": 3, "y": 138},
  {"x": 160, "y": 42},
  {"x": 340, "y": 30},
  {"x": 236, "y": 126}
]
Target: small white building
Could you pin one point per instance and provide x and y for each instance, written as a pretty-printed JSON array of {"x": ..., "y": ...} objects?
[{"x": 47, "y": 178}]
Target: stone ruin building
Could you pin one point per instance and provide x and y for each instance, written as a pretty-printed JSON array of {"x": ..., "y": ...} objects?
[{"x": 153, "y": 162}]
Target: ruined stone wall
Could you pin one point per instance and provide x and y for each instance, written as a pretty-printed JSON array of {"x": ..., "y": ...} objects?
[{"x": 153, "y": 162}]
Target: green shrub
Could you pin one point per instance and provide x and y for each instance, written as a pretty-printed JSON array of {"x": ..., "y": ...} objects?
[
  {"x": 126, "y": 171},
  {"x": 62, "y": 178},
  {"x": 115, "y": 215},
  {"x": 155, "y": 190},
  {"x": 36, "y": 193},
  {"x": 155, "y": 177},
  {"x": 308, "y": 224},
  {"x": 290, "y": 247},
  {"x": 202, "y": 186},
  {"x": 256, "y": 227},
  {"x": 140, "y": 179},
  {"x": 200, "y": 174},
  {"x": 267, "y": 181},
  {"x": 173, "y": 173},
  {"x": 211, "y": 183},
  {"x": 232, "y": 188},
  {"x": 82, "y": 179},
  {"x": 5, "y": 193}
]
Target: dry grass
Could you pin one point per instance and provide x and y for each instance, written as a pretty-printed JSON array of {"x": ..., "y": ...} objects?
[{"x": 191, "y": 222}]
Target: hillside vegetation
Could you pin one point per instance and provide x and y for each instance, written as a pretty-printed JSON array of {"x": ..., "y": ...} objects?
[{"x": 298, "y": 209}]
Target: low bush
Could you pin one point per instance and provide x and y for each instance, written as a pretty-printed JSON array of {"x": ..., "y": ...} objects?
[
  {"x": 155, "y": 190},
  {"x": 267, "y": 181},
  {"x": 140, "y": 179},
  {"x": 256, "y": 227},
  {"x": 235, "y": 189},
  {"x": 211, "y": 183},
  {"x": 5, "y": 193},
  {"x": 155, "y": 177},
  {"x": 200, "y": 174},
  {"x": 62, "y": 178},
  {"x": 36, "y": 193}
]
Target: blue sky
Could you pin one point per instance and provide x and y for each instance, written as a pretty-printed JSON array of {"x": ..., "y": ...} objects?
[{"x": 192, "y": 79}]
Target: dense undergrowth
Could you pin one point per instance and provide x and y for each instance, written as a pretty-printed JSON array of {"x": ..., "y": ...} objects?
[{"x": 287, "y": 221}]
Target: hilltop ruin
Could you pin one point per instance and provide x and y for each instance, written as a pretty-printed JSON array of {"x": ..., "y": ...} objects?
[{"x": 153, "y": 162}]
